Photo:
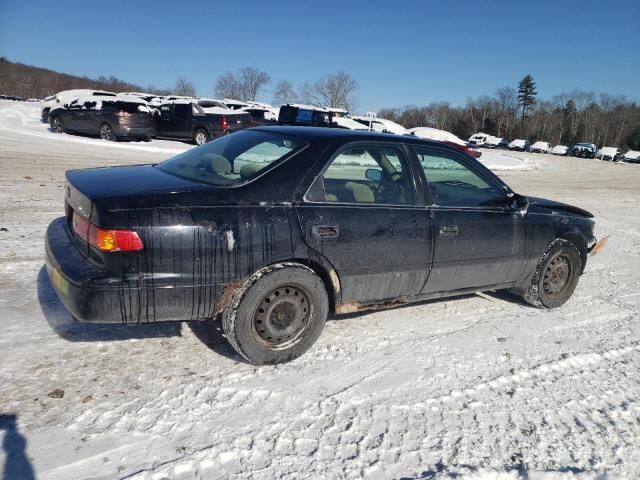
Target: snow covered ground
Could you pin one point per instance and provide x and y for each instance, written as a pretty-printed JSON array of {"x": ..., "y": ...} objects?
[{"x": 482, "y": 386}]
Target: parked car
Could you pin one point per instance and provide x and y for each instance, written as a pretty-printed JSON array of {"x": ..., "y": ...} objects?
[
  {"x": 65, "y": 97},
  {"x": 584, "y": 150},
  {"x": 111, "y": 118},
  {"x": 540, "y": 147},
  {"x": 519, "y": 145},
  {"x": 478, "y": 139},
  {"x": 211, "y": 103},
  {"x": 261, "y": 116},
  {"x": 560, "y": 150},
  {"x": 611, "y": 154},
  {"x": 446, "y": 137},
  {"x": 305, "y": 116},
  {"x": 262, "y": 227},
  {"x": 381, "y": 125},
  {"x": 496, "y": 142},
  {"x": 235, "y": 104},
  {"x": 632, "y": 156},
  {"x": 151, "y": 99},
  {"x": 186, "y": 120}
]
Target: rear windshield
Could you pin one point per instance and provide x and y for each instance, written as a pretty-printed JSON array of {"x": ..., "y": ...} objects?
[{"x": 233, "y": 159}]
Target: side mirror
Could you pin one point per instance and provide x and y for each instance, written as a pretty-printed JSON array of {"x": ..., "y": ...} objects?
[
  {"x": 373, "y": 174},
  {"x": 518, "y": 203}
]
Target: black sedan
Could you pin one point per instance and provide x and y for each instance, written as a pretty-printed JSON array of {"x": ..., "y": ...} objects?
[
  {"x": 274, "y": 228},
  {"x": 111, "y": 119}
]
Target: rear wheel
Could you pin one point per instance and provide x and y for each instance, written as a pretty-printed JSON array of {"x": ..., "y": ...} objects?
[
  {"x": 278, "y": 315},
  {"x": 45, "y": 115},
  {"x": 556, "y": 275},
  {"x": 200, "y": 137},
  {"x": 57, "y": 125},
  {"x": 107, "y": 133}
]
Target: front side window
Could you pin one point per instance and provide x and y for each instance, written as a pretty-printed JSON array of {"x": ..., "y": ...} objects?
[
  {"x": 453, "y": 184},
  {"x": 233, "y": 159},
  {"x": 365, "y": 174}
]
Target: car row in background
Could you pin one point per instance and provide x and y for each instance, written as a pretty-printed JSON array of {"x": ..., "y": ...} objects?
[
  {"x": 142, "y": 116},
  {"x": 582, "y": 150}
]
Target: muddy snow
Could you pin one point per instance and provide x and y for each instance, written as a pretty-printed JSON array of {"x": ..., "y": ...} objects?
[{"x": 481, "y": 386}]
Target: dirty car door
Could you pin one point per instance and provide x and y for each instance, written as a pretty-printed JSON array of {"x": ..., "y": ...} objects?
[
  {"x": 361, "y": 215},
  {"x": 479, "y": 241}
]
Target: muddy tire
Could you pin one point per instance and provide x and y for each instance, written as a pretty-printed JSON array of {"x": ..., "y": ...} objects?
[
  {"x": 277, "y": 315},
  {"x": 556, "y": 275},
  {"x": 57, "y": 125},
  {"x": 200, "y": 137}
]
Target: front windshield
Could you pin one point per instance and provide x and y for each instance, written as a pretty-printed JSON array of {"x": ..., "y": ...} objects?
[{"x": 233, "y": 159}]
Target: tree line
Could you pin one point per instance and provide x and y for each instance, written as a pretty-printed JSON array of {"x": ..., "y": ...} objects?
[{"x": 565, "y": 119}]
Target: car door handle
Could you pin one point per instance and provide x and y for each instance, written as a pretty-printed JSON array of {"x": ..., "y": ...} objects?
[
  {"x": 330, "y": 231},
  {"x": 449, "y": 230}
]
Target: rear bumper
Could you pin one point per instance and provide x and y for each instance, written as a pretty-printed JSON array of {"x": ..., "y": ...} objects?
[
  {"x": 92, "y": 294},
  {"x": 135, "y": 132}
]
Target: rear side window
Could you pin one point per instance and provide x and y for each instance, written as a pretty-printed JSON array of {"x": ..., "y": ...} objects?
[
  {"x": 365, "y": 174},
  {"x": 233, "y": 159},
  {"x": 182, "y": 109},
  {"x": 453, "y": 184}
]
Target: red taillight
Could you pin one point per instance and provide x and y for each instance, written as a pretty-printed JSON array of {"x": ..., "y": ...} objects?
[
  {"x": 106, "y": 240},
  {"x": 122, "y": 113},
  {"x": 223, "y": 123}
]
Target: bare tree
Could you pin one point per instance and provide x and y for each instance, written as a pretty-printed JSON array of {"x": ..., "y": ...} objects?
[
  {"x": 252, "y": 81},
  {"x": 184, "y": 87},
  {"x": 284, "y": 93},
  {"x": 335, "y": 90},
  {"x": 228, "y": 85},
  {"x": 243, "y": 85}
]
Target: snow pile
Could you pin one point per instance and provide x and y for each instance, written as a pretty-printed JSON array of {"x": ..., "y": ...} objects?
[{"x": 499, "y": 161}]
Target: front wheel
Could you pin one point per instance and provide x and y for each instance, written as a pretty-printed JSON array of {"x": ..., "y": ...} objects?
[
  {"x": 107, "y": 133},
  {"x": 556, "y": 275},
  {"x": 57, "y": 125},
  {"x": 277, "y": 315}
]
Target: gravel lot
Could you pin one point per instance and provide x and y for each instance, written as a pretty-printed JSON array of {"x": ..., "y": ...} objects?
[{"x": 482, "y": 385}]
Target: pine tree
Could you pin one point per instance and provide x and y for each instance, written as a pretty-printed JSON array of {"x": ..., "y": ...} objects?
[{"x": 526, "y": 96}]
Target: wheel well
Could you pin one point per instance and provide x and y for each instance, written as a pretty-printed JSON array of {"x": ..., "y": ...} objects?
[
  {"x": 580, "y": 244},
  {"x": 328, "y": 276}
]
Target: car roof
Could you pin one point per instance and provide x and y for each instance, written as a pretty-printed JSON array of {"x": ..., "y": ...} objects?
[{"x": 329, "y": 133}]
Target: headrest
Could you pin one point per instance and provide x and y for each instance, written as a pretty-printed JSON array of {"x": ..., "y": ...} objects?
[{"x": 219, "y": 164}]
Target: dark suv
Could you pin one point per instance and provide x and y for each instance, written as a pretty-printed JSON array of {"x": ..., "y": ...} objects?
[
  {"x": 305, "y": 116},
  {"x": 111, "y": 119},
  {"x": 584, "y": 150},
  {"x": 185, "y": 120}
]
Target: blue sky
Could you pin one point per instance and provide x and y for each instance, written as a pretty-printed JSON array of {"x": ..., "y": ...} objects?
[{"x": 400, "y": 52}]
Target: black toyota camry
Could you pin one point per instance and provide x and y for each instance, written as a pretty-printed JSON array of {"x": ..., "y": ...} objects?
[{"x": 274, "y": 228}]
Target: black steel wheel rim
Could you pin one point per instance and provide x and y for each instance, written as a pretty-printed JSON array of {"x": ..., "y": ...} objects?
[
  {"x": 557, "y": 275},
  {"x": 282, "y": 317},
  {"x": 106, "y": 133}
]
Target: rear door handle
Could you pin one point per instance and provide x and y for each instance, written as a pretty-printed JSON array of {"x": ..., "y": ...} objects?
[
  {"x": 449, "y": 230},
  {"x": 330, "y": 231}
]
